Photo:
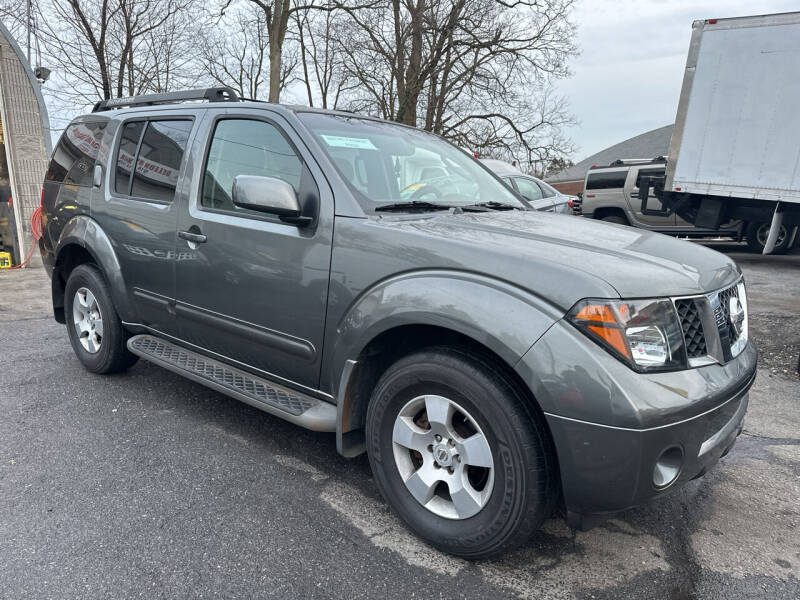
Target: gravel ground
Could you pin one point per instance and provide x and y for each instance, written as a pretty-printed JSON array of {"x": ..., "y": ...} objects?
[{"x": 146, "y": 485}]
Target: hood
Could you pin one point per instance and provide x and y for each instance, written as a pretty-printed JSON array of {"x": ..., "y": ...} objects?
[{"x": 567, "y": 258}]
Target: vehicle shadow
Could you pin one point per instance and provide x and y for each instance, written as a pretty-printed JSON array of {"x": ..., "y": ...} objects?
[{"x": 651, "y": 543}]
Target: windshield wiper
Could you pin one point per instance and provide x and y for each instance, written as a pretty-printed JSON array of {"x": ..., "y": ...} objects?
[
  {"x": 414, "y": 205},
  {"x": 492, "y": 205}
]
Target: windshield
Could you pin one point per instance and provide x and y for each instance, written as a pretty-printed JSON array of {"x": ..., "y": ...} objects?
[{"x": 388, "y": 164}]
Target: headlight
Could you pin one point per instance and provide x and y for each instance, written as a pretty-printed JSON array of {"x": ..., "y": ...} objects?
[
  {"x": 645, "y": 334},
  {"x": 738, "y": 313}
]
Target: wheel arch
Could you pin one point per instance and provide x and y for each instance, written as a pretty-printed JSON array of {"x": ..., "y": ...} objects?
[
  {"x": 83, "y": 241},
  {"x": 385, "y": 325},
  {"x": 607, "y": 211}
]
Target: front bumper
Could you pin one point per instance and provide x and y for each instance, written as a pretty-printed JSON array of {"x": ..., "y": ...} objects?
[
  {"x": 610, "y": 470},
  {"x": 610, "y": 425}
]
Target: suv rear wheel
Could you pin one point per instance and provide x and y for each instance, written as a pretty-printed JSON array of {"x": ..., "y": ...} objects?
[
  {"x": 94, "y": 328},
  {"x": 458, "y": 455}
]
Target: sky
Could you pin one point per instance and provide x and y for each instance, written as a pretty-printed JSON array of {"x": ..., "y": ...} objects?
[{"x": 628, "y": 76}]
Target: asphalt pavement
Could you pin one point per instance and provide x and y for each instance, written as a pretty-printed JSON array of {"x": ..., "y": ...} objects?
[{"x": 147, "y": 485}]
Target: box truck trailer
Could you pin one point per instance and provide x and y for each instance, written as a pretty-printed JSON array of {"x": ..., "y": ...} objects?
[{"x": 735, "y": 148}]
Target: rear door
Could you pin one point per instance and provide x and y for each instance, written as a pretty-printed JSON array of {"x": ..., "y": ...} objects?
[
  {"x": 139, "y": 209},
  {"x": 255, "y": 291}
]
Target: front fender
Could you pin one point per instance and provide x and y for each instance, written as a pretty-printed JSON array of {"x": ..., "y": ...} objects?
[
  {"x": 85, "y": 232},
  {"x": 502, "y": 317}
]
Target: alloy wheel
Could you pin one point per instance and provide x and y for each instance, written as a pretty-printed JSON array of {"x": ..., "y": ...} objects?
[
  {"x": 88, "y": 320},
  {"x": 443, "y": 457}
]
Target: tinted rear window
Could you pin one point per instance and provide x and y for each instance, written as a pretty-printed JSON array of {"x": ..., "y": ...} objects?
[
  {"x": 126, "y": 154},
  {"x": 157, "y": 156},
  {"x": 159, "y": 161},
  {"x": 604, "y": 181},
  {"x": 76, "y": 153}
]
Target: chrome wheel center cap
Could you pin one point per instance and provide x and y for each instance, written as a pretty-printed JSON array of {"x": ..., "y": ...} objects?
[{"x": 443, "y": 454}]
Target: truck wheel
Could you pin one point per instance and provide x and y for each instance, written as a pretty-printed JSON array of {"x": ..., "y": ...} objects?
[
  {"x": 757, "y": 233},
  {"x": 615, "y": 219},
  {"x": 94, "y": 328},
  {"x": 458, "y": 454}
]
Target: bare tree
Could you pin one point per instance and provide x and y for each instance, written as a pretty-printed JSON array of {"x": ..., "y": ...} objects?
[
  {"x": 107, "y": 48},
  {"x": 478, "y": 71},
  {"x": 276, "y": 17},
  {"x": 236, "y": 54},
  {"x": 323, "y": 70},
  {"x": 168, "y": 56}
]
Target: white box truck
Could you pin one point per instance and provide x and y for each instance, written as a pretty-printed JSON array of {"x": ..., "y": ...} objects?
[{"x": 735, "y": 149}]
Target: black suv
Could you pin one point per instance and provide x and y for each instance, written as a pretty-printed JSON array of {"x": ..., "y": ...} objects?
[{"x": 359, "y": 276}]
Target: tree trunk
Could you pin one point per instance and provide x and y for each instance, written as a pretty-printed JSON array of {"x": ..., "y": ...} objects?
[
  {"x": 277, "y": 25},
  {"x": 275, "y": 52},
  {"x": 407, "y": 112}
]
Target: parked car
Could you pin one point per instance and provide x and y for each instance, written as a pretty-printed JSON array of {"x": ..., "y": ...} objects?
[
  {"x": 492, "y": 360},
  {"x": 611, "y": 193},
  {"x": 541, "y": 195}
]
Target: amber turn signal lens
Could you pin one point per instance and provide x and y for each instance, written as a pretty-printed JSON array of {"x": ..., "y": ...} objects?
[
  {"x": 601, "y": 320},
  {"x": 597, "y": 313},
  {"x": 613, "y": 337}
]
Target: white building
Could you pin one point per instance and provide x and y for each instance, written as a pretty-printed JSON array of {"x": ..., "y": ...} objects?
[{"x": 24, "y": 144}]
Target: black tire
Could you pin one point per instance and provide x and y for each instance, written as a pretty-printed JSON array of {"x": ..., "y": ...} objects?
[
  {"x": 525, "y": 473},
  {"x": 619, "y": 219},
  {"x": 756, "y": 236},
  {"x": 113, "y": 355}
]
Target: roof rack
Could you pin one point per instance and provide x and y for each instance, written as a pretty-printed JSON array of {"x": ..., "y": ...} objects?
[
  {"x": 214, "y": 94},
  {"x": 627, "y": 162}
]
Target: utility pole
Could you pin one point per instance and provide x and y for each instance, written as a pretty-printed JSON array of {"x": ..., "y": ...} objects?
[{"x": 28, "y": 23}]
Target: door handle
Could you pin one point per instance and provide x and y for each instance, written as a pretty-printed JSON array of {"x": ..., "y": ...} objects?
[{"x": 197, "y": 238}]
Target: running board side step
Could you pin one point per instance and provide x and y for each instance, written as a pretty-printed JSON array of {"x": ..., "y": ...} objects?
[{"x": 293, "y": 406}]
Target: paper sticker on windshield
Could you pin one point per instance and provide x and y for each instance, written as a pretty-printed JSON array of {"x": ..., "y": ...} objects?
[{"x": 338, "y": 141}]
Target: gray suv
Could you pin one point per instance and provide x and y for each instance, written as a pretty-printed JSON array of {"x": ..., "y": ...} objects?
[{"x": 361, "y": 277}]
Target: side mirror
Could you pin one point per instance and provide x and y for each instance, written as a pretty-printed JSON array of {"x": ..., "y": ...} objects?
[{"x": 269, "y": 195}]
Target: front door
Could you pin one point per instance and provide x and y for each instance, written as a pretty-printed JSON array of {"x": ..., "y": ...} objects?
[{"x": 254, "y": 292}]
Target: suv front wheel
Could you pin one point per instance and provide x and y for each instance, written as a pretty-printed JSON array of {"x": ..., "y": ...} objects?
[
  {"x": 94, "y": 328},
  {"x": 458, "y": 454}
]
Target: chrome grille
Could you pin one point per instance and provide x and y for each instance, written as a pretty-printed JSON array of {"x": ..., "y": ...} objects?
[
  {"x": 708, "y": 333},
  {"x": 692, "y": 326}
]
